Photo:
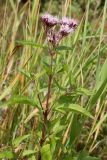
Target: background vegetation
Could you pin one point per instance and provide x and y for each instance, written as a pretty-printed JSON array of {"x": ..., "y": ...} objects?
[{"x": 77, "y": 122}]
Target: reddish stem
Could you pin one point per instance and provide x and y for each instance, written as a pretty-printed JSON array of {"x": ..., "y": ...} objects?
[{"x": 45, "y": 115}]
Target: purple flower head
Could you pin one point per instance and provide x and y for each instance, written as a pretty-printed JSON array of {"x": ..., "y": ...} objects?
[
  {"x": 65, "y": 30},
  {"x": 65, "y": 21},
  {"x": 49, "y": 20},
  {"x": 54, "y": 37},
  {"x": 67, "y": 26},
  {"x": 73, "y": 23},
  {"x": 57, "y": 38},
  {"x": 68, "y": 21}
]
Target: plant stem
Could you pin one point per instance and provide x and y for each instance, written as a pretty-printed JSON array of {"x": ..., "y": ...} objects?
[{"x": 46, "y": 112}]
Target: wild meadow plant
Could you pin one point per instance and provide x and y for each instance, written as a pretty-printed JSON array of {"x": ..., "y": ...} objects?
[
  {"x": 53, "y": 37},
  {"x": 53, "y": 84}
]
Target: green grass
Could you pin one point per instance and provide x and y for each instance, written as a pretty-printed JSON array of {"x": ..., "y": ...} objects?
[{"x": 77, "y": 122}]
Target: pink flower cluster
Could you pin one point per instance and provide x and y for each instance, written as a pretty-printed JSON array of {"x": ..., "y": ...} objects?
[
  {"x": 67, "y": 26},
  {"x": 49, "y": 20}
]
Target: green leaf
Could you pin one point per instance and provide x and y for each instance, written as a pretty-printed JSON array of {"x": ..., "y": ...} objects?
[
  {"x": 31, "y": 157},
  {"x": 55, "y": 126},
  {"x": 75, "y": 108},
  {"x": 78, "y": 30},
  {"x": 31, "y": 44},
  {"x": 8, "y": 154},
  {"x": 79, "y": 109},
  {"x": 18, "y": 140},
  {"x": 98, "y": 93},
  {"x": 102, "y": 76},
  {"x": 25, "y": 73},
  {"x": 84, "y": 91},
  {"x": 75, "y": 129},
  {"x": 46, "y": 152},
  {"x": 20, "y": 99},
  {"x": 64, "y": 48},
  {"x": 83, "y": 155},
  {"x": 52, "y": 144},
  {"x": 101, "y": 85},
  {"x": 65, "y": 99},
  {"x": 47, "y": 67},
  {"x": 28, "y": 152},
  {"x": 91, "y": 158}
]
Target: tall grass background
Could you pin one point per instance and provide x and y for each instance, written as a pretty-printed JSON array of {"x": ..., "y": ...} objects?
[{"x": 77, "y": 126}]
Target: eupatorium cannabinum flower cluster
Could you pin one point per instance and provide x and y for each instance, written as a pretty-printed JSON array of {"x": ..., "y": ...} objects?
[{"x": 67, "y": 26}]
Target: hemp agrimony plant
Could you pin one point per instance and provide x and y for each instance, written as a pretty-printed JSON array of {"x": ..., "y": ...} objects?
[
  {"x": 54, "y": 37},
  {"x": 66, "y": 26}
]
